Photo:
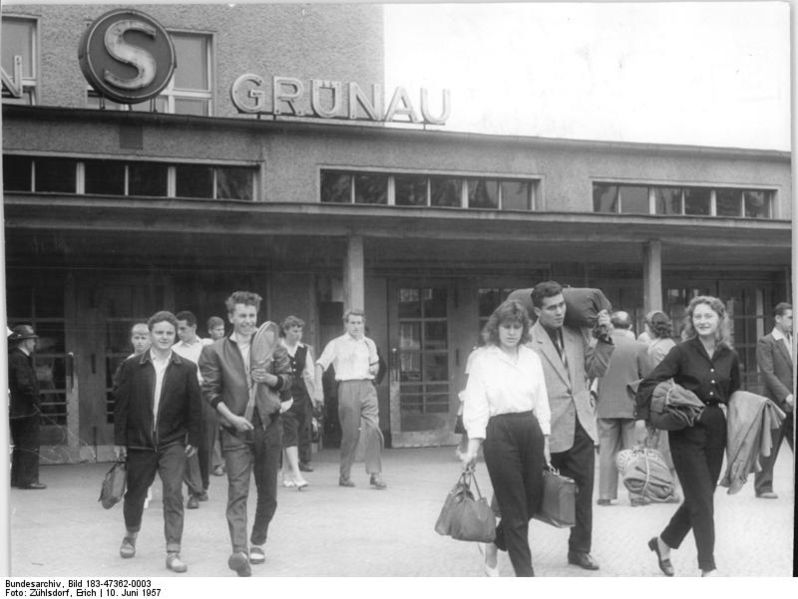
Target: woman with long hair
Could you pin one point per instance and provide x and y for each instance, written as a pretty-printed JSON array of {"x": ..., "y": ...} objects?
[
  {"x": 506, "y": 412},
  {"x": 704, "y": 363}
]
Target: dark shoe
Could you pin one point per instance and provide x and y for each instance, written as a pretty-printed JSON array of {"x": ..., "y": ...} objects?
[
  {"x": 192, "y": 503},
  {"x": 175, "y": 564},
  {"x": 604, "y": 502},
  {"x": 239, "y": 562},
  {"x": 34, "y": 486},
  {"x": 345, "y": 482},
  {"x": 583, "y": 560},
  {"x": 203, "y": 496},
  {"x": 664, "y": 564},
  {"x": 767, "y": 495},
  {"x": 377, "y": 482},
  {"x": 128, "y": 548},
  {"x": 305, "y": 468},
  {"x": 256, "y": 555}
]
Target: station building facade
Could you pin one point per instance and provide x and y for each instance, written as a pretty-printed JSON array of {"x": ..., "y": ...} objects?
[{"x": 112, "y": 214}]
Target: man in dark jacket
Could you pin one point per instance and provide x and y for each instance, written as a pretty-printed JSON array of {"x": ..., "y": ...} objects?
[
  {"x": 775, "y": 360},
  {"x": 251, "y": 445},
  {"x": 24, "y": 409},
  {"x": 157, "y": 423}
]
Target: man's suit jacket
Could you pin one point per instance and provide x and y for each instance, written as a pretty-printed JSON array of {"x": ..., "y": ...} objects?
[
  {"x": 775, "y": 368},
  {"x": 629, "y": 363},
  {"x": 569, "y": 394},
  {"x": 179, "y": 408}
]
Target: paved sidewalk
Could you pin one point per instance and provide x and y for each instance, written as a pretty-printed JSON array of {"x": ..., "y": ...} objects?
[{"x": 327, "y": 530}]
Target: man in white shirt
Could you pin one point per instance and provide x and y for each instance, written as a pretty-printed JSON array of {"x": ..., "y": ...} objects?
[
  {"x": 354, "y": 357},
  {"x": 774, "y": 355},
  {"x": 198, "y": 468}
]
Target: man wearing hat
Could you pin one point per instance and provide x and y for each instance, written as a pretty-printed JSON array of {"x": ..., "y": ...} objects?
[{"x": 24, "y": 408}]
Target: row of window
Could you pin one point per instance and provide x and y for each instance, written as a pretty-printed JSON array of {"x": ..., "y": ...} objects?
[
  {"x": 699, "y": 201},
  {"x": 118, "y": 178},
  {"x": 343, "y": 187},
  {"x": 189, "y": 91}
]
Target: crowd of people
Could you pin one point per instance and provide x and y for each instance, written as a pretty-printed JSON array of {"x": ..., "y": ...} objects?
[{"x": 542, "y": 394}]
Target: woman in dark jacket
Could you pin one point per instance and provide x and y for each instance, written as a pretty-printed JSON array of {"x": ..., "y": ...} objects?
[{"x": 704, "y": 363}]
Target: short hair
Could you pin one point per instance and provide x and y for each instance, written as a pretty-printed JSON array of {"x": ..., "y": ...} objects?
[
  {"x": 215, "y": 321},
  {"x": 781, "y": 308},
  {"x": 292, "y": 321},
  {"x": 189, "y": 317},
  {"x": 139, "y": 324},
  {"x": 723, "y": 334},
  {"x": 621, "y": 320},
  {"x": 162, "y": 316},
  {"x": 544, "y": 290},
  {"x": 354, "y": 312},
  {"x": 508, "y": 311},
  {"x": 659, "y": 324},
  {"x": 246, "y": 298}
]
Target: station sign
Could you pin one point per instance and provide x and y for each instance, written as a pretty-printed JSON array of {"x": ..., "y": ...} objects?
[
  {"x": 289, "y": 96},
  {"x": 127, "y": 56}
]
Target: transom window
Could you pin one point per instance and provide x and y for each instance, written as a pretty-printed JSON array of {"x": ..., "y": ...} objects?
[
  {"x": 692, "y": 201},
  {"x": 121, "y": 178},
  {"x": 19, "y": 60},
  {"x": 420, "y": 190},
  {"x": 190, "y": 89}
]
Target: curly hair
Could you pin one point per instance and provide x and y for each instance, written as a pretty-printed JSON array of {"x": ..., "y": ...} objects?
[
  {"x": 510, "y": 311},
  {"x": 723, "y": 334},
  {"x": 659, "y": 324}
]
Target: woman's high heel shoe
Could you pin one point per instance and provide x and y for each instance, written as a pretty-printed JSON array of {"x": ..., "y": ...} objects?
[
  {"x": 301, "y": 485},
  {"x": 288, "y": 483}
]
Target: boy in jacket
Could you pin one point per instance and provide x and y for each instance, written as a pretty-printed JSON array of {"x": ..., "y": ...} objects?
[{"x": 157, "y": 424}]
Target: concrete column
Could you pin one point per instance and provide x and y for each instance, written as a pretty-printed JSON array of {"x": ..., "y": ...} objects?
[
  {"x": 652, "y": 276},
  {"x": 354, "y": 274}
]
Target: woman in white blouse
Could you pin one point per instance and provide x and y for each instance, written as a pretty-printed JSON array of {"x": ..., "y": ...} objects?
[{"x": 506, "y": 411}]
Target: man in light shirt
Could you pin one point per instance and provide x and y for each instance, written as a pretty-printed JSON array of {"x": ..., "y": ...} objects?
[
  {"x": 774, "y": 355},
  {"x": 354, "y": 357},
  {"x": 157, "y": 421},
  {"x": 198, "y": 468}
]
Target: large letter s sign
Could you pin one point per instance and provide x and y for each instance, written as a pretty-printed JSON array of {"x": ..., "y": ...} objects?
[{"x": 140, "y": 59}]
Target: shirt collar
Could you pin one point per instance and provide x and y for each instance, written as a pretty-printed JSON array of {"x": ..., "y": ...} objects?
[
  {"x": 778, "y": 335},
  {"x": 24, "y": 351},
  {"x": 148, "y": 356}
]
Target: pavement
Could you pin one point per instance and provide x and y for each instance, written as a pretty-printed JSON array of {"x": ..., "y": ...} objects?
[{"x": 329, "y": 531}]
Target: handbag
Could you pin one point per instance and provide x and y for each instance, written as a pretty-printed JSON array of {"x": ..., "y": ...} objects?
[
  {"x": 113, "y": 487},
  {"x": 465, "y": 517},
  {"x": 558, "y": 506}
]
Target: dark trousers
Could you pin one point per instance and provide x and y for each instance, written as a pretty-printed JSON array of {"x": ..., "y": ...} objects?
[
  {"x": 763, "y": 481},
  {"x": 513, "y": 450},
  {"x": 25, "y": 458},
  {"x": 698, "y": 457},
  {"x": 254, "y": 453},
  {"x": 306, "y": 434},
  {"x": 170, "y": 464},
  {"x": 578, "y": 463}
]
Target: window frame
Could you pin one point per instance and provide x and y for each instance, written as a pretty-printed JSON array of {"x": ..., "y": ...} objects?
[
  {"x": 463, "y": 178},
  {"x": 29, "y": 84}
]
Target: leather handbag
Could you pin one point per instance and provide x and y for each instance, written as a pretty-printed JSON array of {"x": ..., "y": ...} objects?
[
  {"x": 558, "y": 505},
  {"x": 113, "y": 487},
  {"x": 464, "y": 516}
]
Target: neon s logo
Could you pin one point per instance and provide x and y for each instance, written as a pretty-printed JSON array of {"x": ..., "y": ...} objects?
[{"x": 138, "y": 58}]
